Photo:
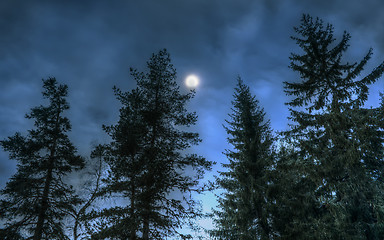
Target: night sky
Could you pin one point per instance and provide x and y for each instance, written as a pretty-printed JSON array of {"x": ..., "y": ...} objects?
[{"x": 90, "y": 46}]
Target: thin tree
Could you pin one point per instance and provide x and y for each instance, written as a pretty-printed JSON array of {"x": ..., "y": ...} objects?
[
  {"x": 149, "y": 166},
  {"x": 36, "y": 199},
  {"x": 243, "y": 206},
  {"x": 91, "y": 190},
  {"x": 339, "y": 142}
]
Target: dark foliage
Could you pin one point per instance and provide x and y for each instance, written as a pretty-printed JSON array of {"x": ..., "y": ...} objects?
[
  {"x": 338, "y": 142},
  {"x": 36, "y": 199},
  {"x": 243, "y": 206},
  {"x": 149, "y": 168}
]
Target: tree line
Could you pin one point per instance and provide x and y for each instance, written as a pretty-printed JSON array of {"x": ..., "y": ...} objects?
[{"x": 321, "y": 179}]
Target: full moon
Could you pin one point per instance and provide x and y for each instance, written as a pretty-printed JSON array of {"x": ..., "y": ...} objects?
[{"x": 192, "y": 81}]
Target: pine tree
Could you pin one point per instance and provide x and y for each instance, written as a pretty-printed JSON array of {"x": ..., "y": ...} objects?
[
  {"x": 36, "y": 199},
  {"x": 291, "y": 207},
  {"x": 149, "y": 168},
  {"x": 339, "y": 142},
  {"x": 243, "y": 206},
  {"x": 126, "y": 170}
]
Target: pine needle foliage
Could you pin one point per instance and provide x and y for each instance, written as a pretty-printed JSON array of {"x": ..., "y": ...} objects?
[
  {"x": 36, "y": 199},
  {"x": 149, "y": 166},
  {"x": 339, "y": 141},
  {"x": 243, "y": 207}
]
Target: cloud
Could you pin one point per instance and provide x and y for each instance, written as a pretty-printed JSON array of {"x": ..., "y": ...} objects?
[{"x": 90, "y": 46}]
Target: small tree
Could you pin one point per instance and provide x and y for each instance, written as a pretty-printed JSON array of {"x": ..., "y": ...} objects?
[
  {"x": 91, "y": 189},
  {"x": 243, "y": 206},
  {"x": 149, "y": 167},
  {"x": 36, "y": 199}
]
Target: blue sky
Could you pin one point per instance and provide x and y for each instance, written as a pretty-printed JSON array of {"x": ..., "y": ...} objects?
[{"x": 90, "y": 45}]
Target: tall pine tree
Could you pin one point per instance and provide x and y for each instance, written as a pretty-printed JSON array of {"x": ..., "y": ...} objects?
[
  {"x": 243, "y": 206},
  {"x": 292, "y": 206},
  {"x": 36, "y": 199},
  {"x": 149, "y": 166},
  {"x": 339, "y": 142}
]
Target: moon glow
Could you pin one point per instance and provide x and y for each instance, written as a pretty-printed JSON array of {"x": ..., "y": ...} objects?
[{"x": 192, "y": 81}]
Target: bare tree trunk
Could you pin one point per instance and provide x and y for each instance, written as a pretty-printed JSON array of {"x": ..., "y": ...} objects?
[{"x": 93, "y": 197}]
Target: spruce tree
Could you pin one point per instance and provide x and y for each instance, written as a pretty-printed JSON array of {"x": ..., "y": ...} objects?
[
  {"x": 339, "y": 142},
  {"x": 149, "y": 166},
  {"x": 36, "y": 199},
  {"x": 243, "y": 206},
  {"x": 291, "y": 203}
]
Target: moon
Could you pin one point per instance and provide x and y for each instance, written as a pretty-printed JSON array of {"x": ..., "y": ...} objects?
[{"x": 192, "y": 81}]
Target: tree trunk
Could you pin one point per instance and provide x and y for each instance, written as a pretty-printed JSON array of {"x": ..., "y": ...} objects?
[
  {"x": 44, "y": 200},
  {"x": 263, "y": 221},
  {"x": 93, "y": 197},
  {"x": 146, "y": 227},
  {"x": 44, "y": 204},
  {"x": 153, "y": 139},
  {"x": 75, "y": 230},
  {"x": 133, "y": 199}
]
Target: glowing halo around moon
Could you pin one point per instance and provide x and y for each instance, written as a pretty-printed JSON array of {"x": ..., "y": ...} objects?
[{"x": 192, "y": 81}]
